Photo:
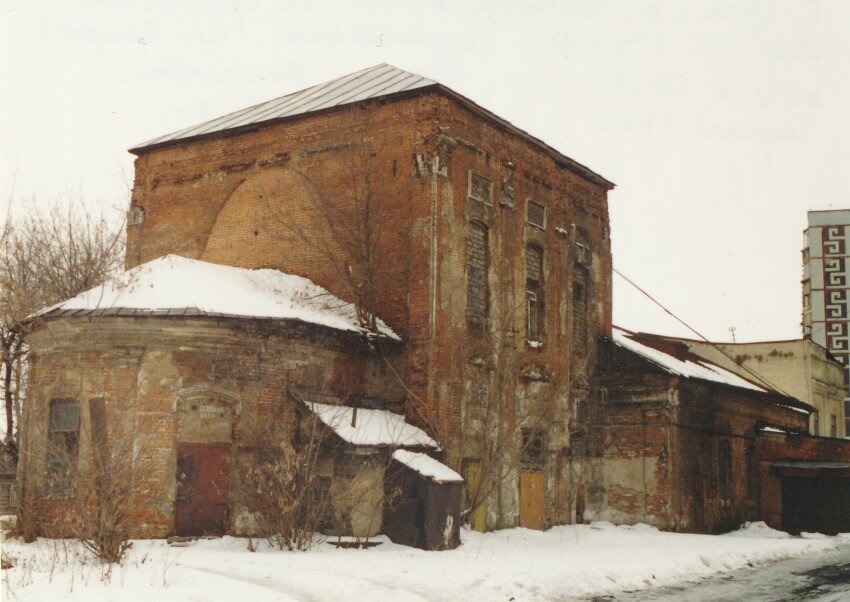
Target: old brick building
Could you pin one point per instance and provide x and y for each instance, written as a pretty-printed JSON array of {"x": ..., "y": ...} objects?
[
  {"x": 681, "y": 442},
  {"x": 484, "y": 249},
  {"x": 799, "y": 367}
]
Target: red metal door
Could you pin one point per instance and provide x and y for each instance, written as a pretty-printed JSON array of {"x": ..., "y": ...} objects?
[{"x": 201, "y": 507}]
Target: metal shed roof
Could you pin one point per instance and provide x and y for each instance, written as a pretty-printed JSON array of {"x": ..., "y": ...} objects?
[{"x": 367, "y": 84}]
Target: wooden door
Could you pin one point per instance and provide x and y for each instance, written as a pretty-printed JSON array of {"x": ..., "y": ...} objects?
[
  {"x": 477, "y": 521},
  {"x": 201, "y": 507},
  {"x": 531, "y": 500}
]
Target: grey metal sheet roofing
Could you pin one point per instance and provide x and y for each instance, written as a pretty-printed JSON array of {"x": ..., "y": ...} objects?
[
  {"x": 812, "y": 464},
  {"x": 374, "y": 82},
  {"x": 367, "y": 84}
]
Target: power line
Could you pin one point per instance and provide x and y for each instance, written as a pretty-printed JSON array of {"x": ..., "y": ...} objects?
[{"x": 699, "y": 334}]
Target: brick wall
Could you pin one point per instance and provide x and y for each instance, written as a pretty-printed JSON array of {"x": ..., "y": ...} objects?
[
  {"x": 153, "y": 372},
  {"x": 660, "y": 458},
  {"x": 248, "y": 200}
]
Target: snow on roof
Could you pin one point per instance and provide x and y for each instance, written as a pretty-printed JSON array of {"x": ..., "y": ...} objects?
[
  {"x": 178, "y": 286},
  {"x": 427, "y": 466},
  {"x": 696, "y": 368},
  {"x": 360, "y": 426},
  {"x": 772, "y": 429},
  {"x": 370, "y": 83}
]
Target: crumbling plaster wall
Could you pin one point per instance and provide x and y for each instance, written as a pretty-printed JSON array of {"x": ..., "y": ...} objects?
[
  {"x": 187, "y": 381},
  {"x": 549, "y": 385},
  {"x": 660, "y": 441}
]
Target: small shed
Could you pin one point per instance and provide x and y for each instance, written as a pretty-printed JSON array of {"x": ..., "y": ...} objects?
[{"x": 422, "y": 502}]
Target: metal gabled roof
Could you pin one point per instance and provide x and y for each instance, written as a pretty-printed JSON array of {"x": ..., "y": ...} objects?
[
  {"x": 375, "y": 82},
  {"x": 367, "y": 84}
]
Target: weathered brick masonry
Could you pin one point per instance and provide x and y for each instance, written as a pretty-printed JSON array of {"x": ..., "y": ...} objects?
[
  {"x": 173, "y": 381},
  {"x": 679, "y": 453},
  {"x": 214, "y": 198}
]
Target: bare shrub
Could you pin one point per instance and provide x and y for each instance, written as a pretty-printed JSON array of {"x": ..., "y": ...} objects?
[
  {"x": 281, "y": 476},
  {"x": 106, "y": 487},
  {"x": 29, "y": 514},
  {"x": 49, "y": 255}
]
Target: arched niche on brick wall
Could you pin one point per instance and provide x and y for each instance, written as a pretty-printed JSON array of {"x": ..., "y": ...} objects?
[
  {"x": 250, "y": 230},
  {"x": 206, "y": 415}
]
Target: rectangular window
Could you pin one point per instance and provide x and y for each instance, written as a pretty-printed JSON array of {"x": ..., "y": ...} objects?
[
  {"x": 480, "y": 188},
  {"x": 62, "y": 444},
  {"x": 531, "y": 458},
  {"x": 580, "y": 278},
  {"x": 477, "y": 261},
  {"x": 535, "y": 214},
  {"x": 534, "y": 314},
  {"x": 833, "y": 426}
]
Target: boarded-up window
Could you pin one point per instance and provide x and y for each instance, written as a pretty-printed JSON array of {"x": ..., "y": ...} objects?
[
  {"x": 62, "y": 444},
  {"x": 531, "y": 458},
  {"x": 533, "y": 293},
  {"x": 99, "y": 435},
  {"x": 535, "y": 214},
  {"x": 480, "y": 188},
  {"x": 724, "y": 470},
  {"x": 477, "y": 260},
  {"x": 580, "y": 278}
]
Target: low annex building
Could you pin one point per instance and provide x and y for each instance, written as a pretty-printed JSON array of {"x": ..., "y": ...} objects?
[
  {"x": 800, "y": 367},
  {"x": 682, "y": 443},
  {"x": 186, "y": 371}
]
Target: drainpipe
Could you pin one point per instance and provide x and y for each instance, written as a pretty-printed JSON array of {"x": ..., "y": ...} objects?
[
  {"x": 432, "y": 268},
  {"x": 643, "y": 480}
]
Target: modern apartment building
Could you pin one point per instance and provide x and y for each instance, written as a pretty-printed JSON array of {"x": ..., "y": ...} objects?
[{"x": 826, "y": 281}]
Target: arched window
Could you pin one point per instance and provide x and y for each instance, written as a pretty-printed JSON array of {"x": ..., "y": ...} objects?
[
  {"x": 63, "y": 440},
  {"x": 752, "y": 473},
  {"x": 533, "y": 293},
  {"x": 477, "y": 264}
]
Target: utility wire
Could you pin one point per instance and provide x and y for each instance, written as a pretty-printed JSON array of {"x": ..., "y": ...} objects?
[{"x": 699, "y": 334}]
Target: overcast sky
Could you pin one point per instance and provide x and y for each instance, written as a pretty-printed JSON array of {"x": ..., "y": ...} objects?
[{"x": 722, "y": 123}]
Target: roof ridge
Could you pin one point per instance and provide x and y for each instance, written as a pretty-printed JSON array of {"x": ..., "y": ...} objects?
[{"x": 222, "y": 122}]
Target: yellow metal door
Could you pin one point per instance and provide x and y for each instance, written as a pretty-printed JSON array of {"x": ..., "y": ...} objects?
[{"x": 531, "y": 500}]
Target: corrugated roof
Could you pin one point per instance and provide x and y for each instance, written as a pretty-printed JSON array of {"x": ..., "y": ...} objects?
[{"x": 367, "y": 84}]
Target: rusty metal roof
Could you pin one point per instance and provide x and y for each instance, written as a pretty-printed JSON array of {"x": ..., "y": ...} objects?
[{"x": 367, "y": 84}]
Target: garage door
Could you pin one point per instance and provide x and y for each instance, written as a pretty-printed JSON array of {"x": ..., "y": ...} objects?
[{"x": 816, "y": 504}]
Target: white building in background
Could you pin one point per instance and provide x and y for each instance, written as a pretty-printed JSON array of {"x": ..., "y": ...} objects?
[{"x": 826, "y": 283}]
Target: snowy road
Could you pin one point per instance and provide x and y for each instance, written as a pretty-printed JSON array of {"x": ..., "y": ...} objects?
[{"x": 824, "y": 577}]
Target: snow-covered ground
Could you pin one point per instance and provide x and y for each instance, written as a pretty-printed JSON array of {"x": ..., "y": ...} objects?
[{"x": 517, "y": 564}]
